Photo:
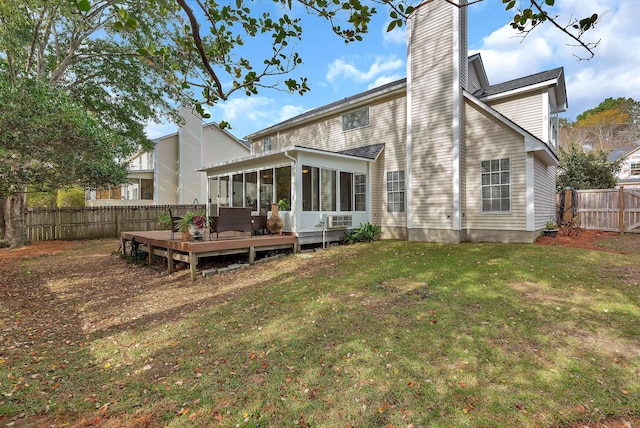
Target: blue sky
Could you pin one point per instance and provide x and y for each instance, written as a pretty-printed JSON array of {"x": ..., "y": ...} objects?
[{"x": 336, "y": 70}]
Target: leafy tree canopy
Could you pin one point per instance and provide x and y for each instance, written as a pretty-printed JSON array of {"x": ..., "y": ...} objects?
[
  {"x": 582, "y": 169},
  {"x": 613, "y": 123},
  {"x": 49, "y": 141},
  {"x": 216, "y": 47}
]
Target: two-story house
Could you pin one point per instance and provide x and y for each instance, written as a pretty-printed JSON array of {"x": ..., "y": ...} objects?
[
  {"x": 168, "y": 174},
  {"x": 441, "y": 155},
  {"x": 629, "y": 173}
]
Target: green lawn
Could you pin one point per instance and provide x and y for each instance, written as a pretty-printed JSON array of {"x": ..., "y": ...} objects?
[{"x": 371, "y": 335}]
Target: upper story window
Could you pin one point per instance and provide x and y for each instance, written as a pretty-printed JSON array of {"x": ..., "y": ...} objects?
[
  {"x": 355, "y": 119},
  {"x": 635, "y": 168},
  {"x": 266, "y": 144},
  {"x": 553, "y": 124}
]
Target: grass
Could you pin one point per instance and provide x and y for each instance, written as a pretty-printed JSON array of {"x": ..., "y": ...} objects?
[{"x": 382, "y": 334}]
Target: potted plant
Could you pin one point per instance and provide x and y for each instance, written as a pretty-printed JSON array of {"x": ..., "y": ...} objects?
[
  {"x": 550, "y": 229},
  {"x": 284, "y": 204},
  {"x": 192, "y": 225},
  {"x": 165, "y": 220}
]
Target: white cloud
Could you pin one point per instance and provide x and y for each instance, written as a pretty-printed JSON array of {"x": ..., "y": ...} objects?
[
  {"x": 289, "y": 111},
  {"x": 397, "y": 36},
  {"x": 340, "y": 69},
  {"x": 251, "y": 114},
  {"x": 156, "y": 130},
  {"x": 382, "y": 80},
  {"x": 613, "y": 72}
]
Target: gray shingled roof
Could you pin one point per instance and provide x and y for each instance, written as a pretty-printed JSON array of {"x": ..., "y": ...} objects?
[
  {"x": 368, "y": 152},
  {"x": 618, "y": 153},
  {"x": 519, "y": 83}
]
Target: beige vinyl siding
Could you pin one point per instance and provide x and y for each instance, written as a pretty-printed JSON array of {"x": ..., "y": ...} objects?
[
  {"x": 524, "y": 110},
  {"x": 545, "y": 193},
  {"x": 488, "y": 139},
  {"x": 432, "y": 116},
  {"x": 387, "y": 124},
  {"x": 464, "y": 72},
  {"x": 190, "y": 155},
  {"x": 473, "y": 83},
  {"x": 167, "y": 170},
  {"x": 387, "y": 118}
]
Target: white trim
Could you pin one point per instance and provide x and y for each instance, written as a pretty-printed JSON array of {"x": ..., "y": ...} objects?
[
  {"x": 545, "y": 117},
  {"x": 530, "y": 200},
  {"x": 155, "y": 173},
  {"x": 531, "y": 142},
  {"x": 456, "y": 131},
  {"x": 547, "y": 83},
  {"x": 408, "y": 171},
  {"x": 276, "y": 153}
]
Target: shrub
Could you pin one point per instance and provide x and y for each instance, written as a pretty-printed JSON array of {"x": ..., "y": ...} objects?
[{"x": 365, "y": 233}]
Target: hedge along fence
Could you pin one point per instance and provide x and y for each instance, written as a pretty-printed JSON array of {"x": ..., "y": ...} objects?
[{"x": 97, "y": 222}]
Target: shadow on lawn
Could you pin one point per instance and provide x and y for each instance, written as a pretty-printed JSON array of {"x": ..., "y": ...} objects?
[{"x": 384, "y": 334}]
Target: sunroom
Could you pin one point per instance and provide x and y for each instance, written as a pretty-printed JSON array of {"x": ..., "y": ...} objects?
[{"x": 320, "y": 194}]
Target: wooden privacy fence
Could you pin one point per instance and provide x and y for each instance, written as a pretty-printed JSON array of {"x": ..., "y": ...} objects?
[
  {"x": 97, "y": 222},
  {"x": 605, "y": 209}
]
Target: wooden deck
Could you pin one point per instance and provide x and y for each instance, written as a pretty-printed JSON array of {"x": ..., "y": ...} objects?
[{"x": 159, "y": 243}]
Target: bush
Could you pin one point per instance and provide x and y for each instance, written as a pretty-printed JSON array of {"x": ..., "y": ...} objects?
[
  {"x": 72, "y": 197},
  {"x": 365, "y": 233},
  {"x": 41, "y": 199}
]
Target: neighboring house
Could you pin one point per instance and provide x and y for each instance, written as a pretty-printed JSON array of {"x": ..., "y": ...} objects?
[
  {"x": 168, "y": 174},
  {"x": 439, "y": 156},
  {"x": 629, "y": 173}
]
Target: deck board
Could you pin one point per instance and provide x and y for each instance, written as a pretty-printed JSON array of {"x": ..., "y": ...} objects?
[{"x": 160, "y": 243}]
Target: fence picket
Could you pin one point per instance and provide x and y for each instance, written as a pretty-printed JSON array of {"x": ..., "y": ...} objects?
[
  {"x": 601, "y": 210},
  {"x": 97, "y": 222}
]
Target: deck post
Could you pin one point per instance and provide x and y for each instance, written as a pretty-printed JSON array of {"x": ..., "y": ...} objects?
[
  {"x": 151, "y": 255},
  {"x": 252, "y": 255},
  {"x": 124, "y": 247},
  {"x": 170, "y": 260},
  {"x": 193, "y": 264}
]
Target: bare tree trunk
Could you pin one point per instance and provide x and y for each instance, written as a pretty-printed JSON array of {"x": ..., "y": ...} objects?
[
  {"x": 13, "y": 221},
  {"x": 3, "y": 201}
]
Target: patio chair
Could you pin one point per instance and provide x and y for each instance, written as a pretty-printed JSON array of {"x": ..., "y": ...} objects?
[{"x": 174, "y": 224}]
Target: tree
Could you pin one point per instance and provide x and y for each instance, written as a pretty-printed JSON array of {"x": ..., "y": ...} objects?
[
  {"x": 55, "y": 61},
  {"x": 128, "y": 61},
  {"x": 48, "y": 141},
  {"x": 582, "y": 169},
  {"x": 216, "y": 50},
  {"x": 613, "y": 123}
]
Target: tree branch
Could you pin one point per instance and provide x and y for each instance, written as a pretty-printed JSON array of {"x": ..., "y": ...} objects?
[{"x": 195, "y": 32}]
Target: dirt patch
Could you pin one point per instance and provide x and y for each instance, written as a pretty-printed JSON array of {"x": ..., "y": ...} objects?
[
  {"x": 594, "y": 240},
  {"x": 39, "y": 248}
]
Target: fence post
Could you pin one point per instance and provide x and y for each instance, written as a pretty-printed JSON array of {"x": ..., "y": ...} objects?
[
  {"x": 621, "y": 204},
  {"x": 568, "y": 206}
]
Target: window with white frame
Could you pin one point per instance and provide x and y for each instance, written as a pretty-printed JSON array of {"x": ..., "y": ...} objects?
[
  {"x": 360, "y": 192},
  {"x": 496, "y": 185},
  {"x": 355, "y": 119},
  {"x": 635, "y": 168},
  {"x": 266, "y": 144},
  {"x": 553, "y": 124},
  {"x": 395, "y": 191}
]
